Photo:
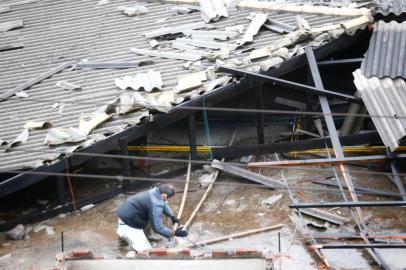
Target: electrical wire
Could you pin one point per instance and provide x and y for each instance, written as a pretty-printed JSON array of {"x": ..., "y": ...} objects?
[
  {"x": 185, "y": 106},
  {"x": 200, "y": 162},
  {"x": 152, "y": 179}
]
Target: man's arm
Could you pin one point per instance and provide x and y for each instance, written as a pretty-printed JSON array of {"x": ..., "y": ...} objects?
[
  {"x": 167, "y": 210},
  {"x": 156, "y": 222}
]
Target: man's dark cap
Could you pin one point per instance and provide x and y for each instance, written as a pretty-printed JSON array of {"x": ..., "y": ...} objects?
[{"x": 168, "y": 189}]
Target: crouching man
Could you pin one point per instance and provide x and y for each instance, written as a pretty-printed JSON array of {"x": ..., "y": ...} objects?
[{"x": 143, "y": 208}]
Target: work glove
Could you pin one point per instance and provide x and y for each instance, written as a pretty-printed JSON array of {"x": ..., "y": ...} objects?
[
  {"x": 174, "y": 220},
  {"x": 180, "y": 232}
]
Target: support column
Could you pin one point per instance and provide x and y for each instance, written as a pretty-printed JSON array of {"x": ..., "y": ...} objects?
[
  {"x": 61, "y": 189},
  {"x": 260, "y": 115},
  {"x": 192, "y": 136},
  {"x": 123, "y": 142}
]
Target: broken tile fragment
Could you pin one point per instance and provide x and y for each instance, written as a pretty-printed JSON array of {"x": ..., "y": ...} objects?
[
  {"x": 22, "y": 94},
  {"x": 68, "y": 86},
  {"x": 212, "y": 10},
  {"x": 184, "y": 9},
  {"x": 153, "y": 43},
  {"x": 190, "y": 81},
  {"x": 57, "y": 136},
  {"x": 6, "y": 26},
  {"x": 37, "y": 125},
  {"x": 21, "y": 138},
  {"x": 133, "y": 10},
  {"x": 256, "y": 23},
  {"x": 147, "y": 81}
]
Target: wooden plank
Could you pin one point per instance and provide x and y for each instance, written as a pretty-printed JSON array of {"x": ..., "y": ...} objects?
[
  {"x": 236, "y": 235},
  {"x": 34, "y": 80}
]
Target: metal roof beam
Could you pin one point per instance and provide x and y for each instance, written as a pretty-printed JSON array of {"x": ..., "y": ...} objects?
[
  {"x": 348, "y": 204},
  {"x": 294, "y": 85}
]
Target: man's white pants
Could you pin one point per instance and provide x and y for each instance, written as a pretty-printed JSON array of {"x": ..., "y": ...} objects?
[{"x": 135, "y": 237}]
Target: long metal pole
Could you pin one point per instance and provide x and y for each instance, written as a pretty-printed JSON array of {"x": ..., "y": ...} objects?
[{"x": 348, "y": 204}]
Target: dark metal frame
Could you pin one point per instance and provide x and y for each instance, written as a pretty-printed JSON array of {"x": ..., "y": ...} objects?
[{"x": 348, "y": 204}]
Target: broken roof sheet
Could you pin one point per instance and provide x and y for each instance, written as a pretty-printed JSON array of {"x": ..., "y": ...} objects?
[
  {"x": 82, "y": 30},
  {"x": 387, "y": 7},
  {"x": 386, "y": 55},
  {"x": 385, "y": 101}
]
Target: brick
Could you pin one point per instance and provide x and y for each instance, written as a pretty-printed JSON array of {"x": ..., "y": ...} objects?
[
  {"x": 80, "y": 253},
  {"x": 185, "y": 252},
  {"x": 241, "y": 252},
  {"x": 172, "y": 251},
  {"x": 218, "y": 253},
  {"x": 158, "y": 252}
]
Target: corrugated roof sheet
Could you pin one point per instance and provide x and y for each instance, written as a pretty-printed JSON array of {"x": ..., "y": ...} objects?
[
  {"x": 385, "y": 97},
  {"x": 386, "y": 55},
  {"x": 387, "y": 7},
  {"x": 64, "y": 30}
]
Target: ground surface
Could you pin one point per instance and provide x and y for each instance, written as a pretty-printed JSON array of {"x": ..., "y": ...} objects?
[{"x": 230, "y": 208}]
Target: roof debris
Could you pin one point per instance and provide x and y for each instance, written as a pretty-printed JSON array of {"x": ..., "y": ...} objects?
[
  {"x": 147, "y": 81},
  {"x": 68, "y": 86},
  {"x": 133, "y": 10},
  {"x": 103, "y": 2},
  {"x": 35, "y": 80},
  {"x": 37, "y": 125},
  {"x": 4, "y": 9},
  {"x": 302, "y": 23},
  {"x": 184, "y": 9},
  {"x": 201, "y": 43},
  {"x": 7, "y": 26},
  {"x": 312, "y": 9},
  {"x": 90, "y": 122},
  {"x": 22, "y": 138},
  {"x": 190, "y": 81},
  {"x": 22, "y": 94},
  {"x": 211, "y": 35},
  {"x": 189, "y": 56},
  {"x": 57, "y": 136},
  {"x": 211, "y": 85},
  {"x": 237, "y": 28},
  {"x": 212, "y": 10},
  {"x": 279, "y": 26},
  {"x": 174, "y": 29},
  {"x": 112, "y": 65},
  {"x": 257, "y": 21},
  {"x": 153, "y": 43}
]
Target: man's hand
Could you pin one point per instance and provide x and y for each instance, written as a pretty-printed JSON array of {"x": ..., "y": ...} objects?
[
  {"x": 180, "y": 232},
  {"x": 174, "y": 220}
]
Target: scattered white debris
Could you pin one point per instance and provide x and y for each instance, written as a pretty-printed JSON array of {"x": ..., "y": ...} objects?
[
  {"x": 87, "y": 207},
  {"x": 17, "y": 233},
  {"x": 133, "y": 10},
  {"x": 273, "y": 199},
  {"x": 22, "y": 138},
  {"x": 184, "y": 9},
  {"x": 55, "y": 105},
  {"x": 62, "y": 215},
  {"x": 68, "y": 86},
  {"x": 22, "y": 94},
  {"x": 174, "y": 30},
  {"x": 212, "y": 10},
  {"x": 39, "y": 227},
  {"x": 246, "y": 159},
  {"x": 147, "y": 81},
  {"x": 50, "y": 230},
  {"x": 103, "y": 2},
  {"x": 153, "y": 43},
  {"x": 37, "y": 125},
  {"x": 237, "y": 28},
  {"x": 89, "y": 122},
  {"x": 57, "y": 136},
  {"x": 211, "y": 85},
  {"x": 190, "y": 81},
  {"x": 256, "y": 23},
  {"x": 205, "y": 180},
  {"x": 302, "y": 23},
  {"x": 6, "y": 26},
  {"x": 4, "y": 257}
]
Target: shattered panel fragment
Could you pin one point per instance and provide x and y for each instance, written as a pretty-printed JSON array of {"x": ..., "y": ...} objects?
[
  {"x": 212, "y": 10},
  {"x": 147, "y": 81}
]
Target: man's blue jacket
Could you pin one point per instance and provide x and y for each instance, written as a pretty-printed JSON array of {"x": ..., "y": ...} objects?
[{"x": 146, "y": 206}]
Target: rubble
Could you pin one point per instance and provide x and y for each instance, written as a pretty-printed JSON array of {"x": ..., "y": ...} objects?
[
  {"x": 272, "y": 200},
  {"x": 17, "y": 233},
  {"x": 133, "y": 10},
  {"x": 257, "y": 21},
  {"x": 68, "y": 86},
  {"x": 147, "y": 81}
]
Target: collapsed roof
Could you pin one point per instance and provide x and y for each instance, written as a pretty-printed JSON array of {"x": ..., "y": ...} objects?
[{"x": 82, "y": 71}]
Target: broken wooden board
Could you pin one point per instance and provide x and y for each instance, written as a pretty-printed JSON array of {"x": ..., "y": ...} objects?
[{"x": 236, "y": 171}]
